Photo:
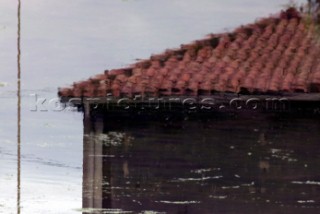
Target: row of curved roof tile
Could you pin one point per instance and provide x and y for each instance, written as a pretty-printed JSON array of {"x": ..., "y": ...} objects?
[{"x": 277, "y": 54}]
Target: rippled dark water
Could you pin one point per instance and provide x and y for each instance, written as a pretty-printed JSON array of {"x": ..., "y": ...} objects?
[{"x": 260, "y": 165}]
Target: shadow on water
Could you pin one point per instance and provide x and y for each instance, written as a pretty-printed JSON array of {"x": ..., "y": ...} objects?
[{"x": 222, "y": 165}]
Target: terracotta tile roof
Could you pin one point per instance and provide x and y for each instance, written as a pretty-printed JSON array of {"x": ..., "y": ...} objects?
[{"x": 274, "y": 55}]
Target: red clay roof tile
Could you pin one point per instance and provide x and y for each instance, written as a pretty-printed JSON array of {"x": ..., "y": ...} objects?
[{"x": 276, "y": 54}]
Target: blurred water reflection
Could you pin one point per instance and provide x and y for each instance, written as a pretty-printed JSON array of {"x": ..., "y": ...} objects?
[{"x": 213, "y": 166}]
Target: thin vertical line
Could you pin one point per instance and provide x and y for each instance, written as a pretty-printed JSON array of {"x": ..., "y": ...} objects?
[{"x": 19, "y": 112}]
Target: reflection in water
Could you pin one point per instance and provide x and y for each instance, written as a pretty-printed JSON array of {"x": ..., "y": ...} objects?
[
  {"x": 19, "y": 109},
  {"x": 96, "y": 172},
  {"x": 217, "y": 166}
]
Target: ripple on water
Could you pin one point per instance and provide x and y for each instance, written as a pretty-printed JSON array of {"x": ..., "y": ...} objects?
[
  {"x": 196, "y": 179},
  {"x": 306, "y": 202},
  {"x": 306, "y": 182},
  {"x": 109, "y": 211},
  {"x": 179, "y": 202}
]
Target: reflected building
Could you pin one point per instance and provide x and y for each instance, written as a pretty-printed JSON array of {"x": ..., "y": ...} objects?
[
  {"x": 207, "y": 167},
  {"x": 215, "y": 166}
]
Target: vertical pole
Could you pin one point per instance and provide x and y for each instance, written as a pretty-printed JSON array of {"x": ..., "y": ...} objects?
[{"x": 19, "y": 112}]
